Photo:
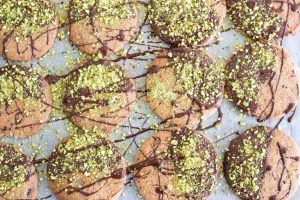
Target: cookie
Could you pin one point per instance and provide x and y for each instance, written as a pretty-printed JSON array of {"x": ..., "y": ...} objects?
[
  {"x": 186, "y": 23},
  {"x": 261, "y": 81},
  {"x": 265, "y": 19},
  {"x": 99, "y": 96},
  {"x": 19, "y": 179},
  {"x": 263, "y": 163},
  {"x": 289, "y": 13},
  {"x": 25, "y": 101},
  {"x": 184, "y": 87},
  {"x": 27, "y": 29},
  {"x": 102, "y": 27},
  {"x": 86, "y": 166},
  {"x": 178, "y": 164}
]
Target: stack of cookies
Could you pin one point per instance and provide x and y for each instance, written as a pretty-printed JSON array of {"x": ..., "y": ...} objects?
[{"x": 184, "y": 87}]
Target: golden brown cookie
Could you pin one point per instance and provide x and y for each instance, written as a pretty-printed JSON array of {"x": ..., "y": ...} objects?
[
  {"x": 186, "y": 23},
  {"x": 27, "y": 29},
  {"x": 261, "y": 80},
  {"x": 19, "y": 179},
  {"x": 184, "y": 87},
  {"x": 177, "y": 164},
  {"x": 99, "y": 96},
  {"x": 102, "y": 27},
  {"x": 86, "y": 166},
  {"x": 265, "y": 19},
  {"x": 263, "y": 163},
  {"x": 25, "y": 101}
]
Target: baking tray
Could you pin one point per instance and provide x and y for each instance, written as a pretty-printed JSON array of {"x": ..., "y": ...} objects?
[{"x": 62, "y": 58}]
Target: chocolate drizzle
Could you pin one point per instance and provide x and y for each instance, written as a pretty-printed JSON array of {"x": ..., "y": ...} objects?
[{"x": 282, "y": 151}]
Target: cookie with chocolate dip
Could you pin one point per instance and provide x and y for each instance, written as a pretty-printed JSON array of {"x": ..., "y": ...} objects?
[
  {"x": 263, "y": 163},
  {"x": 102, "y": 26},
  {"x": 99, "y": 96},
  {"x": 261, "y": 81},
  {"x": 290, "y": 13},
  {"x": 18, "y": 179},
  {"x": 265, "y": 19},
  {"x": 186, "y": 22},
  {"x": 25, "y": 101},
  {"x": 178, "y": 164},
  {"x": 86, "y": 166},
  {"x": 184, "y": 86},
  {"x": 27, "y": 29}
]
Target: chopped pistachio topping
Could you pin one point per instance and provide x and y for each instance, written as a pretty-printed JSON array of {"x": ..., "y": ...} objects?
[
  {"x": 197, "y": 76},
  {"x": 13, "y": 168},
  {"x": 188, "y": 22},
  {"x": 256, "y": 19},
  {"x": 98, "y": 86},
  {"x": 87, "y": 154},
  {"x": 200, "y": 77},
  {"x": 19, "y": 84},
  {"x": 160, "y": 91},
  {"x": 246, "y": 162},
  {"x": 105, "y": 11},
  {"x": 247, "y": 70},
  {"x": 196, "y": 168},
  {"x": 57, "y": 97},
  {"x": 27, "y": 17}
]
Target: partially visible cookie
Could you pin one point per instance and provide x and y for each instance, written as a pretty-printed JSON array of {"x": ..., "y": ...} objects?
[
  {"x": 186, "y": 23},
  {"x": 99, "y": 96},
  {"x": 265, "y": 19},
  {"x": 263, "y": 163},
  {"x": 86, "y": 166},
  {"x": 178, "y": 164},
  {"x": 289, "y": 12},
  {"x": 27, "y": 29},
  {"x": 102, "y": 27},
  {"x": 25, "y": 101},
  {"x": 262, "y": 81},
  {"x": 184, "y": 86},
  {"x": 19, "y": 179}
]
